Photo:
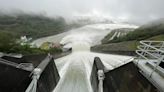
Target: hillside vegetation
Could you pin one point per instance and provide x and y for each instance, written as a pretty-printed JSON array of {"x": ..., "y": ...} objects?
[
  {"x": 114, "y": 34},
  {"x": 8, "y": 44},
  {"x": 129, "y": 42},
  {"x": 142, "y": 33},
  {"x": 33, "y": 26}
]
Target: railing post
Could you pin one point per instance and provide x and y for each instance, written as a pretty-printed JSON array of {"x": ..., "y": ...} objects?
[
  {"x": 162, "y": 46},
  {"x": 146, "y": 47},
  {"x": 100, "y": 78},
  {"x": 159, "y": 61}
]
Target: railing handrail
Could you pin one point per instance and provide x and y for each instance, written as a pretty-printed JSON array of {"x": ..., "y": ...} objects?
[
  {"x": 143, "y": 43},
  {"x": 149, "y": 51},
  {"x": 153, "y": 46},
  {"x": 151, "y": 41}
]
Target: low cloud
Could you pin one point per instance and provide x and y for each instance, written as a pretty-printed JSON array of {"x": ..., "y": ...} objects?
[{"x": 138, "y": 11}]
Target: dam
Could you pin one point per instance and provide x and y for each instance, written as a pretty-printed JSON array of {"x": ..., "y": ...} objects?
[
  {"x": 80, "y": 71},
  {"x": 83, "y": 70}
]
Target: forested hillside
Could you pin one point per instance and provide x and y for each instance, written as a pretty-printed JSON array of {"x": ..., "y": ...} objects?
[
  {"x": 129, "y": 42},
  {"x": 32, "y": 26},
  {"x": 116, "y": 33},
  {"x": 142, "y": 33}
]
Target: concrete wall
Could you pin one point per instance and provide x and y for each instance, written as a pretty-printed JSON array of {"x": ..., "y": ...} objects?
[
  {"x": 49, "y": 78},
  {"x": 127, "y": 79},
  {"x": 97, "y": 65},
  {"x": 13, "y": 79}
]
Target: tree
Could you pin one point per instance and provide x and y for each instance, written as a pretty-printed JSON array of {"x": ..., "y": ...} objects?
[{"x": 7, "y": 40}]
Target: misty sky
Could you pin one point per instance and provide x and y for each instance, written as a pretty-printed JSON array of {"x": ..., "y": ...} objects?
[{"x": 128, "y": 10}]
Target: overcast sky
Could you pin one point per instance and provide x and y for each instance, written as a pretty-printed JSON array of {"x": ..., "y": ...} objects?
[{"x": 128, "y": 10}]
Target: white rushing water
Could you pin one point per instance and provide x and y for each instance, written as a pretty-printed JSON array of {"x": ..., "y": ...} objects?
[
  {"x": 94, "y": 32},
  {"x": 75, "y": 69}
]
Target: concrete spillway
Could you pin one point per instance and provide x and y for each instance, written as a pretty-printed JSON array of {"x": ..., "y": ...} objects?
[{"x": 75, "y": 69}]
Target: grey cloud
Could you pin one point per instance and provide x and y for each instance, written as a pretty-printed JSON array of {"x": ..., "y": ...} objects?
[{"x": 139, "y": 11}]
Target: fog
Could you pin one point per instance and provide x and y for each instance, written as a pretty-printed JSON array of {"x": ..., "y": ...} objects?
[{"x": 137, "y": 11}]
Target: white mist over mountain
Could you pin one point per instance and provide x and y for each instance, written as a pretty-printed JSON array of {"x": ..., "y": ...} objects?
[
  {"x": 133, "y": 11},
  {"x": 92, "y": 17},
  {"x": 95, "y": 16}
]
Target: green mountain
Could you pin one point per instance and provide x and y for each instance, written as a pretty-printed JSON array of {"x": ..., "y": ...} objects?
[
  {"x": 129, "y": 42},
  {"x": 35, "y": 26},
  {"x": 114, "y": 34},
  {"x": 31, "y": 26}
]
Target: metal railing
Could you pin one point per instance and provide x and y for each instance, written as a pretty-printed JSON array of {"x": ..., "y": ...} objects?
[{"x": 152, "y": 51}]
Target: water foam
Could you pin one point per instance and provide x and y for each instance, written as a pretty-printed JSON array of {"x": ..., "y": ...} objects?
[{"x": 75, "y": 69}]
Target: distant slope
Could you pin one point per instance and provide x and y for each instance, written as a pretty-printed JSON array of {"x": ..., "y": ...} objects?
[
  {"x": 116, "y": 33},
  {"x": 129, "y": 42},
  {"x": 158, "y": 37},
  {"x": 121, "y": 46},
  {"x": 144, "y": 32},
  {"x": 34, "y": 26}
]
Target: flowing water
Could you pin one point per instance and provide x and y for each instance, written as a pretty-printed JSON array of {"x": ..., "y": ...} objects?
[
  {"x": 75, "y": 69},
  {"x": 95, "y": 32}
]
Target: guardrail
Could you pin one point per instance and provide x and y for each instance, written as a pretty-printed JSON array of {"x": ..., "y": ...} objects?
[{"x": 152, "y": 50}]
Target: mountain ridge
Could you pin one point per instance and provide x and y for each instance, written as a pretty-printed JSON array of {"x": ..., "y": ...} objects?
[{"x": 150, "y": 31}]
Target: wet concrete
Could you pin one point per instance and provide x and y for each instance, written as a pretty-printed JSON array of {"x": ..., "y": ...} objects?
[
  {"x": 13, "y": 79},
  {"x": 127, "y": 78}
]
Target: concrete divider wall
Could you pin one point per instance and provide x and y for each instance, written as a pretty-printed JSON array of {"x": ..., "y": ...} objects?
[
  {"x": 97, "y": 65},
  {"x": 13, "y": 79},
  {"x": 127, "y": 78},
  {"x": 49, "y": 78},
  {"x": 34, "y": 59}
]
